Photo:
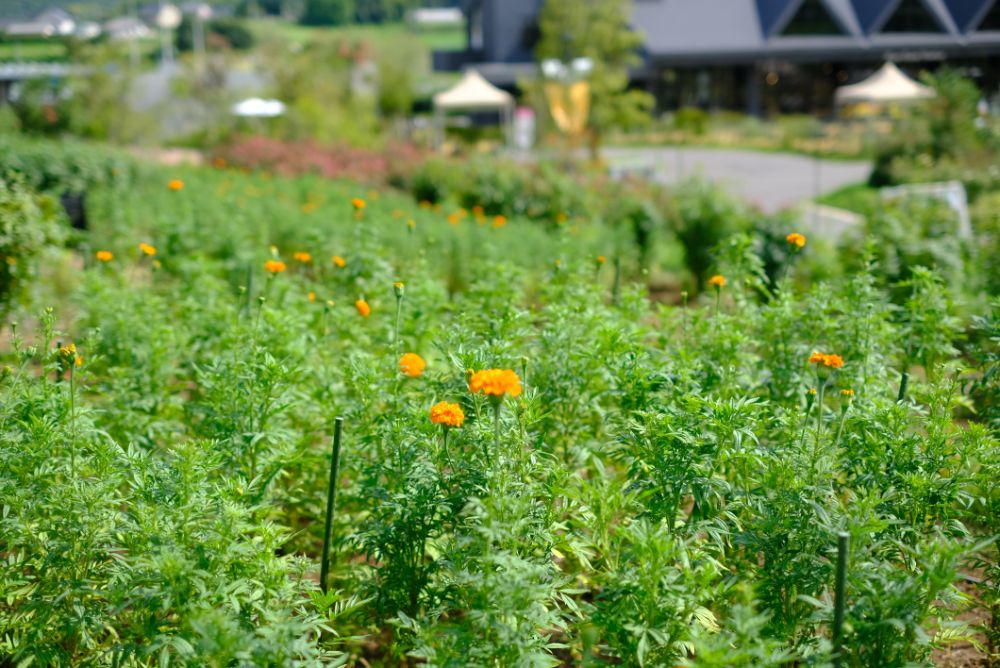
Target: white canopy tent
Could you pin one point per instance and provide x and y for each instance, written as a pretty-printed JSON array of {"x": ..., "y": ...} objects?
[
  {"x": 255, "y": 107},
  {"x": 474, "y": 94},
  {"x": 888, "y": 84}
]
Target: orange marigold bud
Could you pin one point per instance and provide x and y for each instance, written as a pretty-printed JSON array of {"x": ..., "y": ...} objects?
[
  {"x": 495, "y": 382},
  {"x": 847, "y": 393},
  {"x": 338, "y": 261},
  {"x": 718, "y": 281},
  {"x": 146, "y": 249},
  {"x": 303, "y": 257},
  {"x": 412, "y": 365},
  {"x": 364, "y": 310},
  {"x": 175, "y": 184},
  {"x": 358, "y": 204},
  {"x": 450, "y": 415},
  {"x": 104, "y": 256},
  {"x": 274, "y": 267}
]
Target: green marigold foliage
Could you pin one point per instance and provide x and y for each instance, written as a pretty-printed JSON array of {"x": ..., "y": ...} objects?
[{"x": 667, "y": 490}]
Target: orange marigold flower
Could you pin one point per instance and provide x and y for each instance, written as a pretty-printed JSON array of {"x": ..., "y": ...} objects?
[
  {"x": 364, "y": 310},
  {"x": 175, "y": 184},
  {"x": 274, "y": 266},
  {"x": 827, "y": 360},
  {"x": 303, "y": 257},
  {"x": 312, "y": 297},
  {"x": 454, "y": 219},
  {"x": 600, "y": 259},
  {"x": 718, "y": 281},
  {"x": 847, "y": 393},
  {"x": 796, "y": 239},
  {"x": 358, "y": 204},
  {"x": 412, "y": 365},
  {"x": 833, "y": 361},
  {"x": 339, "y": 261},
  {"x": 499, "y": 221},
  {"x": 450, "y": 415},
  {"x": 146, "y": 249},
  {"x": 104, "y": 256},
  {"x": 495, "y": 382},
  {"x": 477, "y": 211}
]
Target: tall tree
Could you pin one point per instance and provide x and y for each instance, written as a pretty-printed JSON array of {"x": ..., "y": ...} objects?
[{"x": 599, "y": 30}]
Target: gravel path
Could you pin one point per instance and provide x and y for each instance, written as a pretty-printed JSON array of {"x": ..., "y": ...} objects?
[{"x": 773, "y": 181}]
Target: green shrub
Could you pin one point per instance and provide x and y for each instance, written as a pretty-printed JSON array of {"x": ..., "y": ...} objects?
[{"x": 29, "y": 223}]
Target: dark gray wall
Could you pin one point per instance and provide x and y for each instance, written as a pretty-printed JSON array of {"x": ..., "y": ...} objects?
[{"x": 505, "y": 23}]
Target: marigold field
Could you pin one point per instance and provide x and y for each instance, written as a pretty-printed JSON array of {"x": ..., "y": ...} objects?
[{"x": 540, "y": 465}]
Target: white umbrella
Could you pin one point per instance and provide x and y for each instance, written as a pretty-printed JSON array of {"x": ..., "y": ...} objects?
[{"x": 255, "y": 107}]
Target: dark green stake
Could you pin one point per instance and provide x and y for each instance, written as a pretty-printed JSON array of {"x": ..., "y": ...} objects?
[
  {"x": 331, "y": 496},
  {"x": 840, "y": 594},
  {"x": 903, "y": 381},
  {"x": 616, "y": 286}
]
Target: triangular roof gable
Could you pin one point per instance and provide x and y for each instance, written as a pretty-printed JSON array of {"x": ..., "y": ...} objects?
[
  {"x": 833, "y": 19},
  {"x": 774, "y": 14},
  {"x": 968, "y": 13},
  {"x": 932, "y": 13},
  {"x": 871, "y": 13},
  {"x": 989, "y": 19}
]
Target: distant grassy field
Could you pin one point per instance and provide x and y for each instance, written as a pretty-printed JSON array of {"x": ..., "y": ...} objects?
[
  {"x": 37, "y": 50},
  {"x": 376, "y": 35}
]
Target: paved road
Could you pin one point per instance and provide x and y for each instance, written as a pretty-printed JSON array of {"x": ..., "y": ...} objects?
[{"x": 773, "y": 181}]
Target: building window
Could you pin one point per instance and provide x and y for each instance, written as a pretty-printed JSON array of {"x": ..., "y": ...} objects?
[
  {"x": 812, "y": 18},
  {"x": 912, "y": 16},
  {"x": 991, "y": 22}
]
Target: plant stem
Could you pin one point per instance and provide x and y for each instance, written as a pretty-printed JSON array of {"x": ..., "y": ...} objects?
[
  {"x": 903, "y": 382},
  {"x": 72, "y": 419},
  {"x": 331, "y": 497},
  {"x": 395, "y": 329}
]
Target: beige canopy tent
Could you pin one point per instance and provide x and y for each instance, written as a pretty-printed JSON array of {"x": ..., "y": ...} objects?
[
  {"x": 474, "y": 94},
  {"x": 887, "y": 85}
]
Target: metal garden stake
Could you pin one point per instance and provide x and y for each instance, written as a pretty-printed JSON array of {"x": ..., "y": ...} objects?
[{"x": 331, "y": 498}]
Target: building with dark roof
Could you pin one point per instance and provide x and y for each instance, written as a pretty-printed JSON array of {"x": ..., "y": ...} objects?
[{"x": 757, "y": 55}]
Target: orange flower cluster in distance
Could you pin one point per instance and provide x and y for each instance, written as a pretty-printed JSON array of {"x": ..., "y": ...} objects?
[
  {"x": 827, "y": 360},
  {"x": 450, "y": 415},
  {"x": 364, "y": 310},
  {"x": 274, "y": 266},
  {"x": 146, "y": 249},
  {"x": 718, "y": 281},
  {"x": 104, "y": 256},
  {"x": 796, "y": 239},
  {"x": 412, "y": 365},
  {"x": 176, "y": 184},
  {"x": 303, "y": 257},
  {"x": 495, "y": 382}
]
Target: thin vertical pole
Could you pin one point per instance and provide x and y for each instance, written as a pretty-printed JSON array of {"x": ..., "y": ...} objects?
[
  {"x": 840, "y": 593},
  {"x": 331, "y": 497}
]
